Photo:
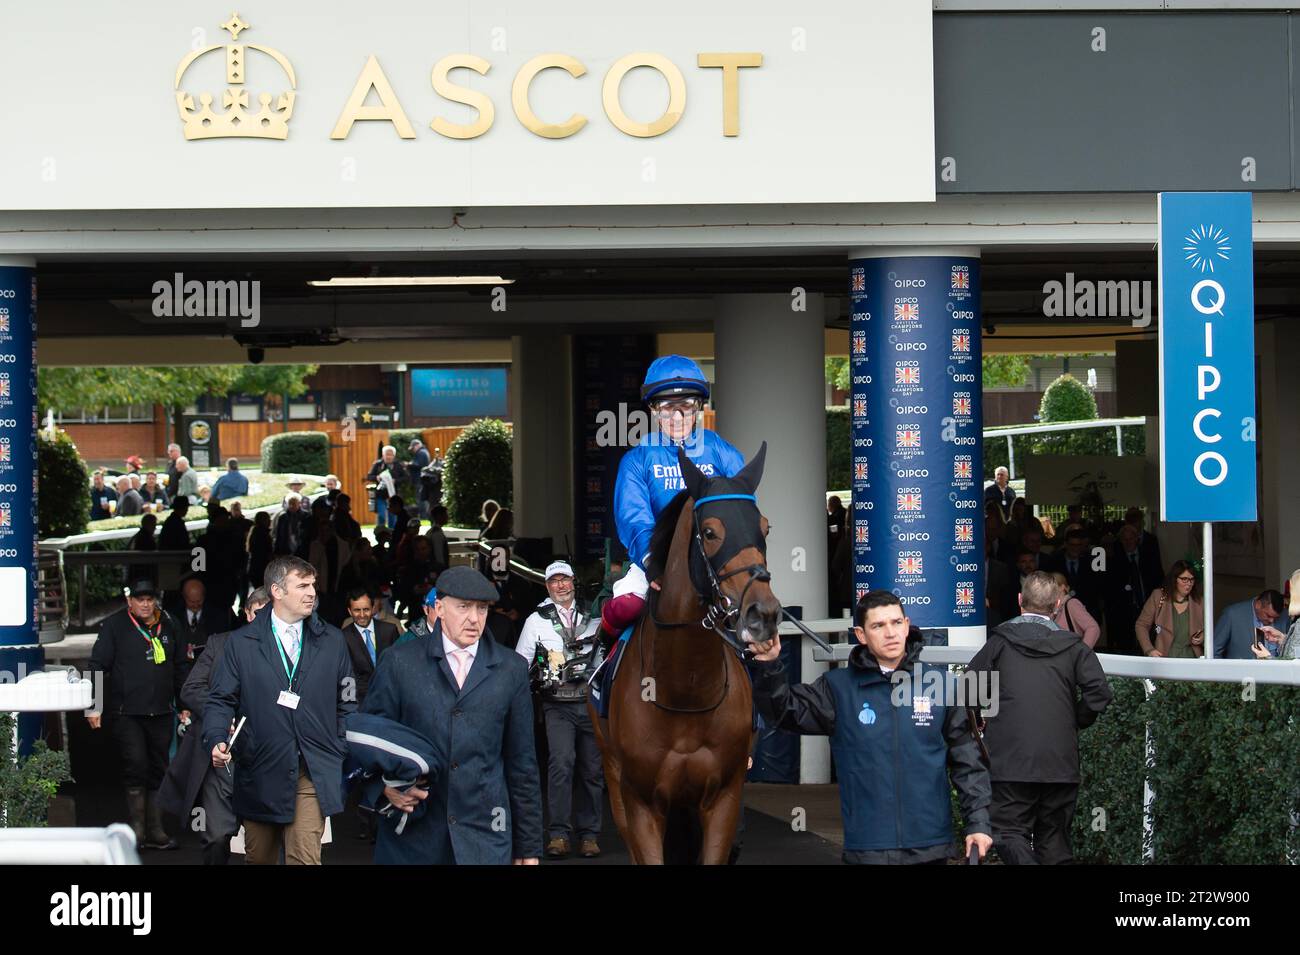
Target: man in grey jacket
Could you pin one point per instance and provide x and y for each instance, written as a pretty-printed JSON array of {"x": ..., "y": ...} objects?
[{"x": 1235, "y": 630}]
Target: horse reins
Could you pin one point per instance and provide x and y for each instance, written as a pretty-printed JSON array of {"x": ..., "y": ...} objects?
[{"x": 721, "y": 612}]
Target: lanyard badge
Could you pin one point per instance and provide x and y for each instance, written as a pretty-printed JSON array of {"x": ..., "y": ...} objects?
[{"x": 159, "y": 654}]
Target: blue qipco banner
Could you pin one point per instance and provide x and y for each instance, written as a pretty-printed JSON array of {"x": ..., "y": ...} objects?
[
  {"x": 916, "y": 425},
  {"x": 1207, "y": 357},
  {"x": 18, "y": 622}
]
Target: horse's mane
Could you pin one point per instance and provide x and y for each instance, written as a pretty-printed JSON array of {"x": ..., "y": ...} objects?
[{"x": 661, "y": 538}]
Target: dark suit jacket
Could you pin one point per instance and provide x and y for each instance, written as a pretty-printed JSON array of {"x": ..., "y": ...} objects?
[
  {"x": 1086, "y": 583},
  {"x": 484, "y": 737},
  {"x": 247, "y": 681},
  {"x": 1234, "y": 631},
  {"x": 180, "y": 788},
  {"x": 384, "y": 634}
]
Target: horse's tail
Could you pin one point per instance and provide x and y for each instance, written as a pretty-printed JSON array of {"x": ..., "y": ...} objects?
[{"x": 683, "y": 837}]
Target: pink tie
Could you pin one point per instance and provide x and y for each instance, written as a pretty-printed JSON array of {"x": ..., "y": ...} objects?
[{"x": 462, "y": 665}]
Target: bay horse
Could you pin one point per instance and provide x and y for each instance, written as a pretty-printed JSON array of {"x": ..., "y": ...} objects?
[{"x": 680, "y": 725}]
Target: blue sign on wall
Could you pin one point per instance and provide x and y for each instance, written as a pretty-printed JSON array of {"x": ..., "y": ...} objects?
[
  {"x": 1207, "y": 357},
  {"x": 916, "y": 424},
  {"x": 458, "y": 392},
  {"x": 18, "y": 622}
]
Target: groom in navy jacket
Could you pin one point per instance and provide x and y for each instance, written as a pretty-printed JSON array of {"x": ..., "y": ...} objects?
[{"x": 470, "y": 697}]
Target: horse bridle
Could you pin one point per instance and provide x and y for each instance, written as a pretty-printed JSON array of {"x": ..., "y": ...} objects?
[{"x": 721, "y": 613}]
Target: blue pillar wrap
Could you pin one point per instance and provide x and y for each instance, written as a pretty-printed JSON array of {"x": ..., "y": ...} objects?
[
  {"x": 19, "y": 627},
  {"x": 918, "y": 526}
]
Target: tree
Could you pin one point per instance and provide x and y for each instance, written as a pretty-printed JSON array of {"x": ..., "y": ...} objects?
[
  {"x": 837, "y": 372},
  {"x": 1005, "y": 371},
  {"x": 69, "y": 388}
]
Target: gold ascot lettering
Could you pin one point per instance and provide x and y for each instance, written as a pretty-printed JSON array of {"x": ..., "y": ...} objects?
[
  {"x": 390, "y": 108},
  {"x": 519, "y": 95},
  {"x": 731, "y": 64},
  {"x": 372, "y": 77},
  {"x": 448, "y": 90},
  {"x": 676, "y": 94}
]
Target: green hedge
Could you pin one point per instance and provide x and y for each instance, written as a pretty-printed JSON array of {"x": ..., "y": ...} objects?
[
  {"x": 839, "y": 450},
  {"x": 296, "y": 452},
  {"x": 1100, "y": 441},
  {"x": 64, "y": 507},
  {"x": 1225, "y": 775},
  {"x": 479, "y": 466}
]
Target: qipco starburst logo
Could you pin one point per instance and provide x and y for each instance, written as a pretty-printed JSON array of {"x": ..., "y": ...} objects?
[{"x": 1206, "y": 244}]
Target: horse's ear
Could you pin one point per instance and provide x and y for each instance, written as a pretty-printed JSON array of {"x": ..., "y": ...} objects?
[
  {"x": 752, "y": 472},
  {"x": 692, "y": 476}
]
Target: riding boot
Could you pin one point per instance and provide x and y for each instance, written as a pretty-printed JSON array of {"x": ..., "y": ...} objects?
[
  {"x": 155, "y": 835},
  {"x": 135, "y": 804}
]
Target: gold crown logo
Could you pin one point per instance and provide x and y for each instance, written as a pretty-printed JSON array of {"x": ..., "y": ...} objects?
[{"x": 236, "y": 119}]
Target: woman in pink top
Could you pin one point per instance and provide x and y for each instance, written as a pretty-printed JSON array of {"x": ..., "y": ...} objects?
[{"x": 1073, "y": 616}]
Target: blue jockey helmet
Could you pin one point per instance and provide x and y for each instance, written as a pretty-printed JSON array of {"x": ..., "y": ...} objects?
[{"x": 672, "y": 376}]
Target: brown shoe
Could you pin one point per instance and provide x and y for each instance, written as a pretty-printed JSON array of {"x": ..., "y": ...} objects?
[
  {"x": 589, "y": 848},
  {"x": 557, "y": 848}
]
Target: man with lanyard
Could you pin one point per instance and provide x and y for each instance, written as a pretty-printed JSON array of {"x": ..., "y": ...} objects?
[
  {"x": 649, "y": 478},
  {"x": 289, "y": 674},
  {"x": 559, "y": 642},
  {"x": 137, "y": 652}
]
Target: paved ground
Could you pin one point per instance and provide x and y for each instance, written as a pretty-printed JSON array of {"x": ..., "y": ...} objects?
[{"x": 768, "y": 840}]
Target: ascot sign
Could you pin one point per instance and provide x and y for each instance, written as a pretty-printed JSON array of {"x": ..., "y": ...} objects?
[{"x": 236, "y": 119}]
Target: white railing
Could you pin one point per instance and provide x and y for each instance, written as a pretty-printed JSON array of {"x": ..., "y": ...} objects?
[{"x": 1011, "y": 431}]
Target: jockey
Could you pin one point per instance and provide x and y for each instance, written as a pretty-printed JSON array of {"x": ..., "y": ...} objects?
[{"x": 675, "y": 390}]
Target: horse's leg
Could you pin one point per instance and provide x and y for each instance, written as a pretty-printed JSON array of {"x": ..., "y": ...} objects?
[
  {"x": 645, "y": 830},
  {"x": 718, "y": 825},
  {"x": 613, "y": 771}
]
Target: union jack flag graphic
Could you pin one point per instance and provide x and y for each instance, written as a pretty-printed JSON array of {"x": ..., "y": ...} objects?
[
  {"x": 909, "y": 502},
  {"x": 858, "y": 281},
  {"x": 4, "y": 386},
  {"x": 965, "y": 532},
  {"x": 860, "y": 471},
  {"x": 960, "y": 277},
  {"x": 909, "y": 565},
  {"x": 961, "y": 406},
  {"x": 908, "y": 437},
  {"x": 961, "y": 341},
  {"x": 859, "y": 343},
  {"x": 4, "y": 323},
  {"x": 907, "y": 376},
  {"x": 593, "y": 485},
  {"x": 860, "y": 533},
  {"x": 859, "y": 407},
  {"x": 4, "y": 515},
  {"x": 906, "y": 311},
  {"x": 965, "y": 596},
  {"x": 4, "y": 449},
  {"x": 961, "y": 469}
]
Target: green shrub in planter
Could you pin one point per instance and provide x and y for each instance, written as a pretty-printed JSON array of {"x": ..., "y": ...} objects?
[
  {"x": 296, "y": 452},
  {"x": 26, "y": 787},
  {"x": 479, "y": 466},
  {"x": 63, "y": 506}
]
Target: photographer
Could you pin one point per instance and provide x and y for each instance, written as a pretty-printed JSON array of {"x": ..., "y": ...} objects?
[{"x": 559, "y": 642}]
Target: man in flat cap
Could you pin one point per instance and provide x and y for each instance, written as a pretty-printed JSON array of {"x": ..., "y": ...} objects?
[{"x": 470, "y": 697}]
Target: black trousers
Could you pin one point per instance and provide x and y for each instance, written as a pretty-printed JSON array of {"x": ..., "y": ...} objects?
[
  {"x": 143, "y": 742},
  {"x": 571, "y": 740},
  {"x": 1041, "y": 813}
]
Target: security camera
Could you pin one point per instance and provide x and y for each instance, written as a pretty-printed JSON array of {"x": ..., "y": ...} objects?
[{"x": 256, "y": 356}]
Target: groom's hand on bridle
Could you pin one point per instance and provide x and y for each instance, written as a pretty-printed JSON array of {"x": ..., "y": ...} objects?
[{"x": 767, "y": 650}]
